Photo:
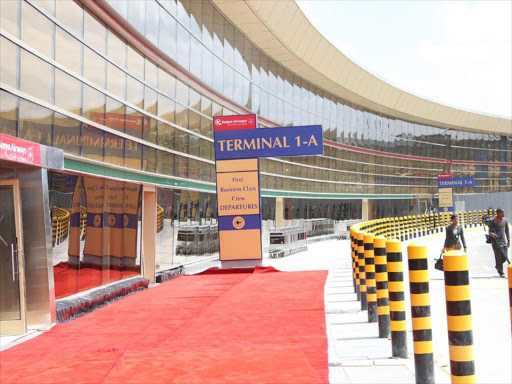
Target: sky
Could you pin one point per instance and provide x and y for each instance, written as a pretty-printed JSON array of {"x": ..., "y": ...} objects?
[{"x": 457, "y": 53}]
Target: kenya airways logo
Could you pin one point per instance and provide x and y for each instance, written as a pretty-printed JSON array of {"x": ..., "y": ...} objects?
[{"x": 217, "y": 122}]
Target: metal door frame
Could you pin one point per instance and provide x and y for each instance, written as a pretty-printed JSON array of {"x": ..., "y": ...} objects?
[{"x": 17, "y": 327}]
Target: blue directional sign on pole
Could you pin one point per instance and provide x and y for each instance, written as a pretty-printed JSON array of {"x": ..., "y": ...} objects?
[
  {"x": 268, "y": 142},
  {"x": 456, "y": 182}
]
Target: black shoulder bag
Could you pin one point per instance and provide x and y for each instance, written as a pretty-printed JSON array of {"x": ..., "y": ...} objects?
[{"x": 439, "y": 263}]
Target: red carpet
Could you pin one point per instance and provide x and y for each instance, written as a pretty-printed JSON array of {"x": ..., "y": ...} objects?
[{"x": 244, "y": 327}]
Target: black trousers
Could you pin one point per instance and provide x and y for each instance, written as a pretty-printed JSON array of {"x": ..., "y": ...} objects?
[{"x": 500, "y": 255}]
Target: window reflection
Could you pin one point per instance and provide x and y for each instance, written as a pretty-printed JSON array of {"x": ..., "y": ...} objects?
[{"x": 96, "y": 226}]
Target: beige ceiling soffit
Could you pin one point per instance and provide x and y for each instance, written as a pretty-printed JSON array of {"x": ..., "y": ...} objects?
[{"x": 286, "y": 29}]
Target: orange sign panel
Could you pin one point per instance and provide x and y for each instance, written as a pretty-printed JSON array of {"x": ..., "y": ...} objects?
[{"x": 238, "y": 193}]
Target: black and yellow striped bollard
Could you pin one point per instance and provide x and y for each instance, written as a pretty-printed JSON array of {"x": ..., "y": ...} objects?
[
  {"x": 458, "y": 309},
  {"x": 396, "y": 298},
  {"x": 381, "y": 278},
  {"x": 352, "y": 257},
  {"x": 371, "y": 290},
  {"x": 361, "y": 268},
  {"x": 356, "y": 265},
  {"x": 420, "y": 313}
]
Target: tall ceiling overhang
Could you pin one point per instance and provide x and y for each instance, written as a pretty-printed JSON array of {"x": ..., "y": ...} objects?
[{"x": 281, "y": 30}]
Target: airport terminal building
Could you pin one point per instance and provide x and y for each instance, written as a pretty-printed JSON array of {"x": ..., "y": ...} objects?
[{"x": 118, "y": 97}]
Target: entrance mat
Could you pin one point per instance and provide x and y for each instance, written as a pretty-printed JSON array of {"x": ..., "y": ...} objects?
[{"x": 236, "y": 327}]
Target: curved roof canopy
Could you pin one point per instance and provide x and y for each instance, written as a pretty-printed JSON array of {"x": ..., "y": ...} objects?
[{"x": 281, "y": 30}]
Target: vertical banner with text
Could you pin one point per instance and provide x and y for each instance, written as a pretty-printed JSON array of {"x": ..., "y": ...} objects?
[{"x": 238, "y": 198}]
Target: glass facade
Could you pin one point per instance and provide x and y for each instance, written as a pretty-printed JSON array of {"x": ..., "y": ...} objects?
[
  {"x": 70, "y": 80},
  {"x": 124, "y": 109}
]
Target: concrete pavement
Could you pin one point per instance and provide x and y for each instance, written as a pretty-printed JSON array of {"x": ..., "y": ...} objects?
[{"x": 357, "y": 355}]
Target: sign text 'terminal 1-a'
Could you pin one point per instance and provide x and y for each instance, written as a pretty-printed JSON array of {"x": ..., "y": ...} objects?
[{"x": 269, "y": 142}]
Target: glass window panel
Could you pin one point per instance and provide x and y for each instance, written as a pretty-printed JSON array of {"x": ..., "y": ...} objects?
[
  {"x": 37, "y": 30},
  {"x": 68, "y": 51},
  {"x": 152, "y": 16},
  {"x": 9, "y": 62},
  {"x": 196, "y": 19},
  {"x": 9, "y": 17},
  {"x": 149, "y": 159},
  {"x": 116, "y": 115},
  {"x": 166, "y": 83},
  {"x": 94, "y": 67},
  {"x": 134, "y": 123},
  {"x": 193, "y": 145},
  {"x": 228, "y": 81},
  {"x": 116, "y": 81},
  {"x": 135, "y": 92},
  {"x": 182, "y": 93},
  {"x": 94, "y": 32},
  {"x": 166, "y": 108},
  {"x": 166, "y": 133},
  {"x": 218, "y": 79},
  {"x": 116, "y": 49},
  {"x": 136, "y": 13},
  {"x": 47, "y": 5},
  {"x": 207, "y": 25},
  {"x": 181, "y": 166},
  {"x": 68, "y": 92},
  {"x": 207, "y": 66},
  {"x": 150, "y": 100},
  {"x": 151, "y": 73},
  {"x": 184, "y": 12},
  {"x": 194, "y": 100},
  {"x": 194, "y": 123},
  {"x": 165, "y": 163},
  {"x": 8, "y": 113},
  {"x": 195, "y": 57},
  {"x": 35, "y": 123},
  {"x": 167, "y": 31},
  {"x": 135, "y": 63},
  {"x": 183, "y": 47},
  {"x": 218, "y": 33},
  {"x": 36, "y": 77},
  {"x": 181, "y": 116},
  {"x": 150, "y": 130},
  {"x": 67, "y": 134},
  {"x": 133, "y": 154},
  {"x": 229, "y": 39},
  {"x": 93, "y": 105},
  {"x": 113, "y": 149},
  {"x": 71, "y": 14}
]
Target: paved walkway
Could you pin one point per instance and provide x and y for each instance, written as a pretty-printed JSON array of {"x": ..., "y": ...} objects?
[{"x": 357, "y": 355}]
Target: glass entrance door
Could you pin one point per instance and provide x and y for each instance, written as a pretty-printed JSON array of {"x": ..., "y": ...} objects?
[{"x": 12, "y": 284}]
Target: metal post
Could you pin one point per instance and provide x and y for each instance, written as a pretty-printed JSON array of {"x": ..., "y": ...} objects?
[
  {"x": 458, "y": 309},
  {"x": 420, "y": 313},
  {"x": 396, "y": 298},
  {"x": 381, "y": 276},
  {"x": 371, "y": 290},
  {"x": 362, "y": 274}
]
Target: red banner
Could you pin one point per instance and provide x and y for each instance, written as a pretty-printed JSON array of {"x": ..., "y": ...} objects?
[
  {"x": 227, "y": 123},
  {"x": 19, "y": 150},
  {"x": 444, "y": 175}
]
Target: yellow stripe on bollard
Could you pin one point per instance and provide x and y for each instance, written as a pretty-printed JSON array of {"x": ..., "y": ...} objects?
[
  {"x": 396, "y": 298},
  {"x": 460, "y": 333},
  {"x": 362, "y": 273},
  {"x": 420, "y": 309},
  {"x": 371, "y": 289},
  {"x": 381, "y": 277}
]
